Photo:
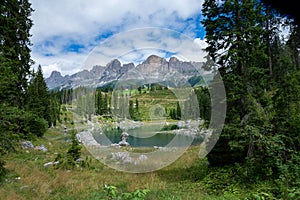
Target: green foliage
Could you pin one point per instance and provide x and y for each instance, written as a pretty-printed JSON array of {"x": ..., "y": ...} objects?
[
  {"x": 68, "y": 160},
  {"x": 288, "y": 183},
  {"x": 222, "y": 180},
  {"x": 38, "y": 101},
  {"x": 203, "y": 98},
  {"x": 15, "y": 61},
  {"x": 197, "y": 171},
  {"x": 2, "y": 170},
  {"x": 113, "y": 193},
  {"x": 170, "y": 127},
  {"x": 22, "y": 123},
  {"x": 16, "y": 124},
  {"x": 178, "y": 111},
  {"x": 175, "y": 113},
  {"x": 261, "y": 77},
  {"x": 74, "y": 151},
  {"x": 55, "y": 107},
  {"x": 101, "y": 102},
  {"x": 84, "y": 102}
]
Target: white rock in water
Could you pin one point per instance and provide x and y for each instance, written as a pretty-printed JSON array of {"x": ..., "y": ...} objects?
[
  {"x": 123, "y": 143},
  {"x": 115, "y": 145},
  {"x": 124, "y": 134}
]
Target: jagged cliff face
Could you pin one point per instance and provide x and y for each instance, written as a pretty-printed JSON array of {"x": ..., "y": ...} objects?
[{"x": 154, "y": 69}]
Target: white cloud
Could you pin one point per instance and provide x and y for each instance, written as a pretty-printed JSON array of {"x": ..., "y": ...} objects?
[
  {"x": 138, "y": 44},
  {"x": 200, "y": 43},
  {"x": 58, "y": 24}
]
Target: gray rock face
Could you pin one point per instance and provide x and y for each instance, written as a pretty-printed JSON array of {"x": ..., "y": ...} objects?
[
  {"x": 154, "y": 59},
  {"x": 154, "y": 68},
  {"x": 55, "y": 79}
]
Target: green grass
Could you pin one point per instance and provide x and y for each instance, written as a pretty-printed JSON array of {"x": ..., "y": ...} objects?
[
  {"x": 186, "y": 178},
  {"x": 164, "y": 98},
  {"x": 29, "y": 179}
]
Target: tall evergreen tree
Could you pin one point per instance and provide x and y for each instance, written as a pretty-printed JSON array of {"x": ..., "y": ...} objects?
[
  {"x": 105, "y": 104},
  {"x": 55, "y": 105},
  {"x": 178, "y": 111},
  {"x": 15, "y": 64},
  {"x": 38, "y": 101},
  {"x": 15, "y": 25},
  {"x": 131, "y": 110},
  {"x": 234, "y": 34},
  {"x": 99, "y": 102}
]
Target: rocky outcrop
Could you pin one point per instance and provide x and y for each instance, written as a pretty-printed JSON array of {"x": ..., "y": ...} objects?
[{"x": 153, "y": 68}]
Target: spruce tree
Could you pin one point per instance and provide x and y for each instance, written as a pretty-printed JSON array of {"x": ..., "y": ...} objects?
[
  {"x": 131, "y": 110},
  {"x": 15, "y": 64},
  {"x": 234, "y": 34},
  {"x": 38, "y": 99},
  {"x": 105, "y": 104},
  {"x": 178, "y": 111},
  {"x": 14, "y": 50}
]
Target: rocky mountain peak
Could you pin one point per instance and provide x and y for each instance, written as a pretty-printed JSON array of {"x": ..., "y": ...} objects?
[
  {"x": 114, "y": 64},
  {"x": 173, "y": 60},
  {"x": 154, "y": 68},
  {"x": 56, "y": 74},
  {"x": 155, "y": 59}
]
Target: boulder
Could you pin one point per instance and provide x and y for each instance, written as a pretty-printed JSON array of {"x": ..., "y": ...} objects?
[{"x": 27, "y": 145}]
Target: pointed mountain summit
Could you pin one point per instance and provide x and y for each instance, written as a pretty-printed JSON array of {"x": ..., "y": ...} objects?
[
  {"x": 155, "y": 59},
  {"x": 154, "y": 67}
]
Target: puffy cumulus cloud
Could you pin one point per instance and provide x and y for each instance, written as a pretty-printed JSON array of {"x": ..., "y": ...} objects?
[
  {"x": 201, "y": 43},
  {"x": 136, "y": 45},
  {"x": 67, "y": 64},
  {"x": 70, "y": 29}
]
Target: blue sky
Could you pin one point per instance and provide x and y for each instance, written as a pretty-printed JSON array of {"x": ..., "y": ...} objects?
[{"x": 67, "y": 33}]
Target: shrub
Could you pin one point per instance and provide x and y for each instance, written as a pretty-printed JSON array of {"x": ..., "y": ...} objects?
[
  {"x": 22, "y": 122},
  {"x": 68, "y": 160},
  {"x": 113, "y": 193},
  {"x": 2, "y": 170},
  {"x": 170, "y": 127}
]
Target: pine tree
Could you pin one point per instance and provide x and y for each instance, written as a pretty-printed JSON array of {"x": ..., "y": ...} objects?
[
  {"x": 15, "y": 63},
  {"x": 234, "y": 34},
  {"x": 105, "y": 104},
  {"x": 137, "y": 106},
  {"x": 178, "y": 111},
  {"x": 38, "y": 99},
  {"x": 54, "y": 107},
  {"x": 131, "y": 110},
  {"x": 14, "y": 50},
  {"x": 99, "y": 102}
]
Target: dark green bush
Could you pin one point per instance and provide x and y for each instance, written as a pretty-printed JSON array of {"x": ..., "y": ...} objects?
[
  {"x": 2, "y": 170},
  {"x": 170, "y": 127},
  {"x": 23, "y": 123}
]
